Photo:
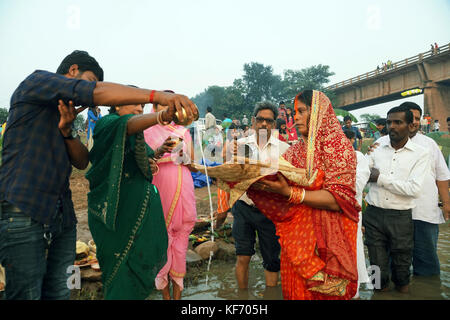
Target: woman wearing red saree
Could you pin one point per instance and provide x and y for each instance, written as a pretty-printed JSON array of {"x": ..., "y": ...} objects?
[
  {"x": 290, "y": 126},
  {"x": 317, "y": 225}
]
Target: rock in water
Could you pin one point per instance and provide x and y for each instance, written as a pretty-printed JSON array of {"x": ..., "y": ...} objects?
[
  {"x": 204, "y": 249},
  {"x": 192, "y": 258}
]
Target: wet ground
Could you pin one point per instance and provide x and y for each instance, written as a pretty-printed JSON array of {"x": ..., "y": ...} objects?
[{"x": 220, "y": 282}]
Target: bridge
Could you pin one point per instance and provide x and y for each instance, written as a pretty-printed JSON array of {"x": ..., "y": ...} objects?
[{"x": 428, "y": 71}]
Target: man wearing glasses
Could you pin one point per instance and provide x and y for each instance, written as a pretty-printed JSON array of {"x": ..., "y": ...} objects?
[{"x": 248, "y": 220}]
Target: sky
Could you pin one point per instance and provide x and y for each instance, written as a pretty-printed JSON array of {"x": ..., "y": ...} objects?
[{"x": 187, "y": 46}]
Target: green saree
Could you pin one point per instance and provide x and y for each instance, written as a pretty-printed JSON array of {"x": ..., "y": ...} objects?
[{"x": 125, "y": 214}]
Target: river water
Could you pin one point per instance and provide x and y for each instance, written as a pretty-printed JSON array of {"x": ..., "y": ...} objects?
[{"x": 220, "y": 282}]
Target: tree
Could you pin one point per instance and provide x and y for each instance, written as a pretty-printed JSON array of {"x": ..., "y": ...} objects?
[
  {"x": 366, "y": 117},
  {"x": 313, "y": 78},
  {"x": 258, "y": 82},
  {"x": 79, "y": 122},
  {"x": 3, "y": 115}
]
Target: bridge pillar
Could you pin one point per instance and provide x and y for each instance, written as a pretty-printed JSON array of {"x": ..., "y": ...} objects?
[{"x": 437, "y": 103}]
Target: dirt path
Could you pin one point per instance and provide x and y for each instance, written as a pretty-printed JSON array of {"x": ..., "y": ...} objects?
[{"x": 80, "y": 188}]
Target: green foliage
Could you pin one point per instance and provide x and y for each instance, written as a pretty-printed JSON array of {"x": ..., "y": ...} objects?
[
  {"x": 443, "y": 141},
  {"x": 3, "y": 115},
  {"x": 259, "y": 83},
  {"x": 366, "y": 117},
  {"x": 1, "y": 145},
  {"x": 79, "y": 122},
  {"x": 343, "y": 113}
]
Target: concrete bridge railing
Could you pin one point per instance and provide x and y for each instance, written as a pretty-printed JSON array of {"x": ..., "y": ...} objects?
[{"x": 396, "y": 65}]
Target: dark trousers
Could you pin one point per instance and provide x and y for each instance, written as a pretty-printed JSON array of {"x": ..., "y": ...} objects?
[
  {"x": 36, "y": 260},
  {"x": 249, "y": 221},
  {"x": 425, "y": 258},
  {"x": 389, "y": 236}
]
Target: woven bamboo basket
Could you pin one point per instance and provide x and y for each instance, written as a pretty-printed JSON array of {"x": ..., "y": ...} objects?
[{"x": 244, "y": 172}]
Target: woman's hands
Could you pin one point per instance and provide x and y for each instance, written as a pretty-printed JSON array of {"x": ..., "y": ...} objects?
[
  {"x": 279, "y": 186},
  {"x": 166, "y": 147},
  {"x": 153, "y": 166}
]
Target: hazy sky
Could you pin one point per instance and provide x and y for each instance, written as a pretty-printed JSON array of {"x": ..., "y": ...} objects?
[{"x": 187, "y": 46}]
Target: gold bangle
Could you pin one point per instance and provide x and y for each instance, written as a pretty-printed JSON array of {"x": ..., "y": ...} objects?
[
  {"x": 292, "y": 192},
  {"x": 303, "y": 195},
  {"x": 160, "y": 120},
  {"x": 157, "y": 171}
]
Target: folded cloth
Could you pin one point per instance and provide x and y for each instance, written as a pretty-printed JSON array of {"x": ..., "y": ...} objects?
[{"x": 239, "y": 174}]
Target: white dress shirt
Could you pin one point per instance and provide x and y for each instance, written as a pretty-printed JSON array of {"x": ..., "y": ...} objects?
[
  {"x": 210, "y": 121},
  {"x": 362, "y": 176},
  {"x": 402, "y": 175},
  {"x": 270, "y": 152},
  {"x": 427, "y": 208}
]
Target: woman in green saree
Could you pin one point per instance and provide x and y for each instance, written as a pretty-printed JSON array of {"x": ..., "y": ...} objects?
[{"x": 124, "y": 208}]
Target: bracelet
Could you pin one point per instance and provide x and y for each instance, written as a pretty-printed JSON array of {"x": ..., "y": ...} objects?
[
  {"x": 157, "y": 171},
  {"x": 297, "y": 195},
  {"x": 303, "y": 195},
  {"x": 160, "y": 120},
  {"x": 152, "y": 94},
  {"x": 290, "y": 196}
]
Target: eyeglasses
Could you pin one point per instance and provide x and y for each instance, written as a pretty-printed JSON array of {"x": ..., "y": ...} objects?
[{"x": 261, "y": 120}]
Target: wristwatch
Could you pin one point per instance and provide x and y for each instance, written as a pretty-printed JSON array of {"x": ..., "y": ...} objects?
[{"x": 72, "y": 135}]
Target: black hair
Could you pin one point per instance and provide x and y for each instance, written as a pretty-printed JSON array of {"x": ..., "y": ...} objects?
[
  {"x": 281, "y": 102},
  {"x": 84, "y": 61},
  {"x": 94, "y": 110},
  {"x": 448, "y": 119},
  {"x": 412, "y": 106},
  {"x": 225, "y": 115},
  {"x": 350, "y": 134},
  {"x": 280, "y": 122},
  {"x": 409, "y": 118},
  {"x": 346, "y": 118},
  {"x": 209, "y": 109},
  {"x": 113, "y": 108},
  {"x": 265, "y": 105},
  {"x": 381, "y": 121},
  {"x": 306, "y": 97}
]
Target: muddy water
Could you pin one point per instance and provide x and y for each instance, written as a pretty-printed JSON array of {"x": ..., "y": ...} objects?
[{"x": 220, "y": 283}]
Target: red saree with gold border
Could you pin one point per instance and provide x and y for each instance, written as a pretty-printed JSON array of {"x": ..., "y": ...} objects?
[{"x": 318, "y": 247}]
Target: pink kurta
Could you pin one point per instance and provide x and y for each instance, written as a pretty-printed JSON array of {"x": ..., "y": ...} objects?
[{"x": 176, "y": 187}]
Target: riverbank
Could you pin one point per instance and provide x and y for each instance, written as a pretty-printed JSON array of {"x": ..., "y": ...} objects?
[{"x": 224, "y": 251}]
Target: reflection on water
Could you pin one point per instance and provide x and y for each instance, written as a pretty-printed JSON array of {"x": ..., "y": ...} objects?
[{"x": 221, "y": 283}]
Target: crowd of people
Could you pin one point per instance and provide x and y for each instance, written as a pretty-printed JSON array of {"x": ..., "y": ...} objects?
[{"x": 141, "y": 201}]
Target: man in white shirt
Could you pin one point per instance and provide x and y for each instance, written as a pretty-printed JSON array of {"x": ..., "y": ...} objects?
[
  {"x": 245, "y": 120},
  {"x": 427, "y": 215},
  {"x": 362, "y": 176},
  {"x": 210, "y": 119},
  {"x": 398, "y": 171},
  {"x": 248, "y": 220}
]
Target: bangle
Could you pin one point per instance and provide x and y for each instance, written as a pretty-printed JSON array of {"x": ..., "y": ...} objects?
[
  {"x": 290, "y": 196},
  {"x": 157, "y": 171},
  {"x": 152, "y": 94},
  {"x": 297, "y": 195},
  {"x": 303, "y": 195},
  {"x": 160, "y": 120}
]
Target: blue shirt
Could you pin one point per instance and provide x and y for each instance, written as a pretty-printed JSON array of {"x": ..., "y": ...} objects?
[
  {"x": 357, "y": 135},
  {"x": 35, "y": 170}
]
